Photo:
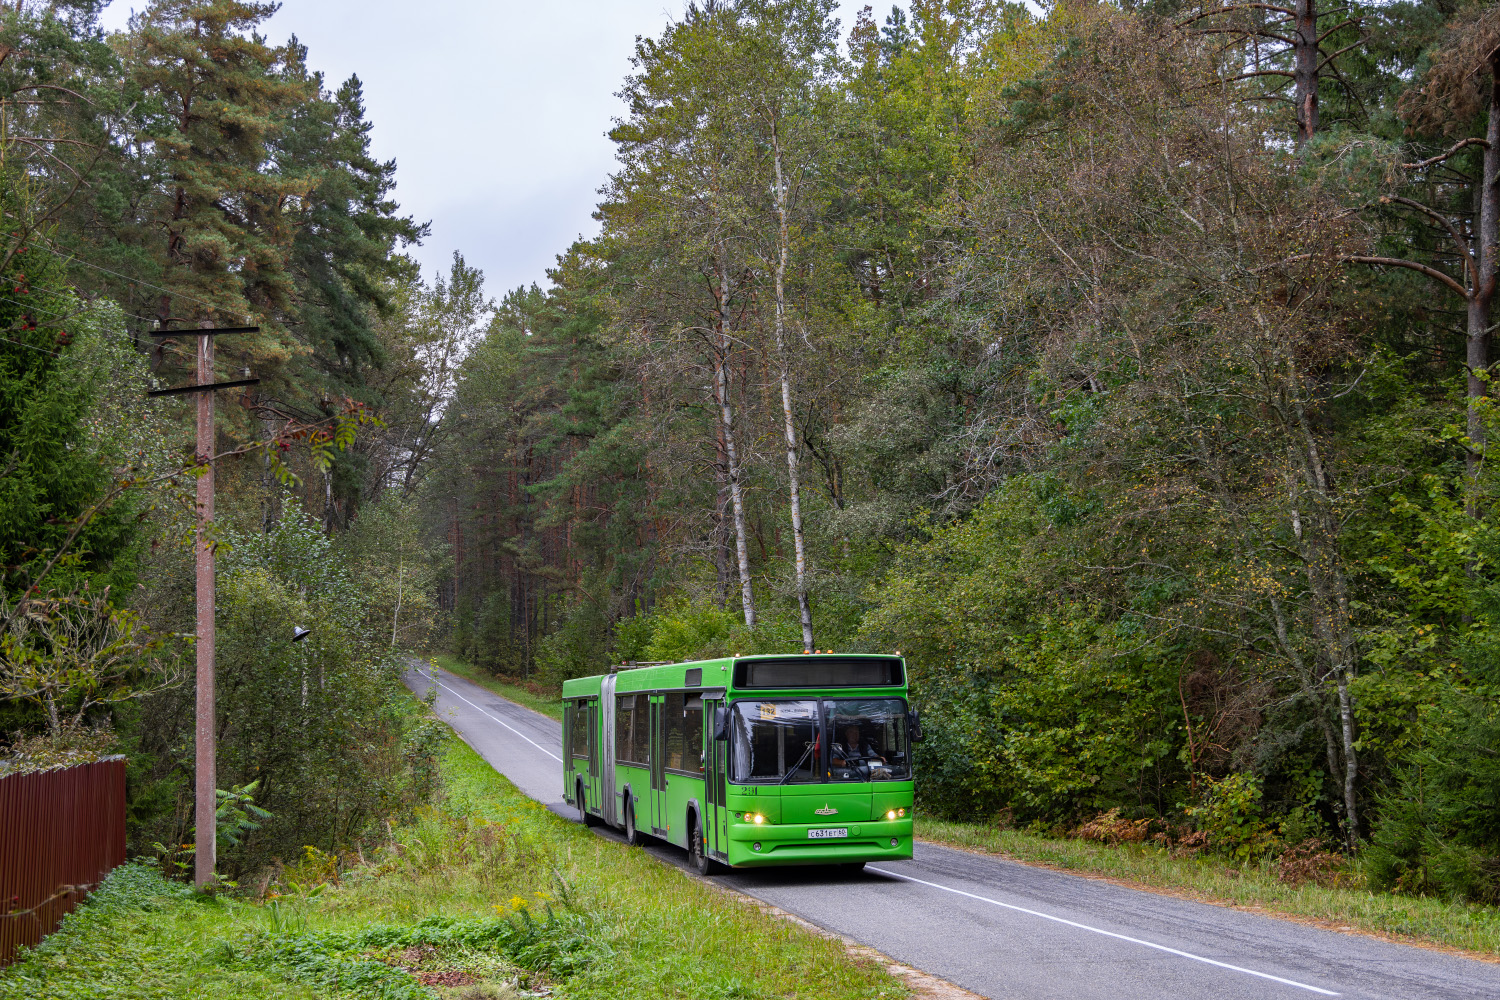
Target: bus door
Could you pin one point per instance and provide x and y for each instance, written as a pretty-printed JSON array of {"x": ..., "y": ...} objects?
[
  {"x": 570, "y": 725},
  {"x": 715, "y": 760},
  {"x": 590, "y": 718},
  {"x": 658, "y": 767}
]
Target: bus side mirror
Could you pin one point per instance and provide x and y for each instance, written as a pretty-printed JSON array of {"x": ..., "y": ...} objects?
[
  {"x": 914, "y": 726},
  {"x": 721, "y": 722}
]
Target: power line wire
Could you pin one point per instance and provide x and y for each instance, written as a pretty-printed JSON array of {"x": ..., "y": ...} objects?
[
  {"x": 58, "y": 353},
  {"x": 40, "y": 350},
  {"x": 33, "y": 307},
  {"x": 138, "y": 281}
]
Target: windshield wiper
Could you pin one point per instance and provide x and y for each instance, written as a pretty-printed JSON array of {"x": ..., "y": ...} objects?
[{"x": 793, "y": 769}]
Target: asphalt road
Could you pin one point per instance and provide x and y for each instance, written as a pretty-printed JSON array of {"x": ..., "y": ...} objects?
[{"x": 1006, "y": 930}]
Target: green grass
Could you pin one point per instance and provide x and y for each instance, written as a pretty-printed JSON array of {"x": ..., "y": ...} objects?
[
  {"x": 1466, "y": 926},
  {"x": 490, "y": 885},
  {"x": 531, "y": 695}
]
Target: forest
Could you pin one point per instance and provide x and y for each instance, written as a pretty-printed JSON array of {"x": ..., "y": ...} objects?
[{"x": 1125, "y": 366}]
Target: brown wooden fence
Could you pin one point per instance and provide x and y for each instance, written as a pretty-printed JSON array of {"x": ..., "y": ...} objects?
[{"x": 61, "y": 831}]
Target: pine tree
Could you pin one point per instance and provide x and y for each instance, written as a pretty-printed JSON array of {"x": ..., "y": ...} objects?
[
  {"x": 348, "y": 231},
  {"x": 214, "y": 223}
]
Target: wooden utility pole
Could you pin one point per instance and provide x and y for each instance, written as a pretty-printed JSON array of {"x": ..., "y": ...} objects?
[
  {"x": 205, "y": 787},
  {"x": 205, "y": 801}
]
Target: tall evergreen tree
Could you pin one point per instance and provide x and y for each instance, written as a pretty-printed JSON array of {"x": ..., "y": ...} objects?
[
  {"x": 347, "y": 231},
  {"x": 211, "y": 228}
]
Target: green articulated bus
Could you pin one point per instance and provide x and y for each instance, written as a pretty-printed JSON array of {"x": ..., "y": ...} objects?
[{"x": 751, "y": 760}]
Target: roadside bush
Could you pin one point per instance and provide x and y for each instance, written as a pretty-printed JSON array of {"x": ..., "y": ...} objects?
[
  {"x": 1054, "y": 726},
  {"x": 1111, "y": 828},
  {"x": 1230, "y": 818},
  {"x": 1031, "y": 700},
  {"x": 1311, "y": 861}
]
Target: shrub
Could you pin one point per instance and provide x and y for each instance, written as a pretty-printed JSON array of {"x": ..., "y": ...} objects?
[
  {"x": 1230, "y": 818},
  {"x": 1311, "y": 861},
  {"x": 1111, "y": 828}
]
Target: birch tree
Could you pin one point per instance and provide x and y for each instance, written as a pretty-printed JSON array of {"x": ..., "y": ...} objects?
[
  {"x": 679, "y": 197},
  {"x": 788, "y": 51}
]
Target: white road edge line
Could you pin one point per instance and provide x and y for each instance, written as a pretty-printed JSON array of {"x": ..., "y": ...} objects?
[
  {"x": 1096, "y": 930},
  {"x": 502, "y": 722}
]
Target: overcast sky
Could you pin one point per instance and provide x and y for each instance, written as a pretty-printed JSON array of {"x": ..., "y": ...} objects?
[{"x": 495, "y": 110}]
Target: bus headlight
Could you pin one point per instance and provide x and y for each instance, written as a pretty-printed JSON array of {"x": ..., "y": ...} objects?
[
  {"x": 758, "y": 818},
  {"x": 891, "y": 814}
]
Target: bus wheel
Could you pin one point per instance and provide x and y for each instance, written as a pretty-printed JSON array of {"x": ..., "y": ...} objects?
[
  {"x": 583, "y": 809},
  {"x": 632, "y": 836},
  {"x": 698, "y": 859}
]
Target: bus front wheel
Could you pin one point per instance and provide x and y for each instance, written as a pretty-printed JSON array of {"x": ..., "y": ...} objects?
[{"x": 698, "y": 859}]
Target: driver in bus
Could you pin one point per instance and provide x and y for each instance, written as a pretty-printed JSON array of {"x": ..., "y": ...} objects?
[{"x": 854, "y": 747}]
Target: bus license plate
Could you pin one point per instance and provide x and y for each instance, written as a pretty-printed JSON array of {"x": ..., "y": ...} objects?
[{"x": 828, "y": 833}]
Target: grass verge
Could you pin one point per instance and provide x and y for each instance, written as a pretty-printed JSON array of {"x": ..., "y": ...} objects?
[
  {"x": 529, "y": 694},
  {"x": 487, "y": 897},
  {"x": 1465, "y": 926}
]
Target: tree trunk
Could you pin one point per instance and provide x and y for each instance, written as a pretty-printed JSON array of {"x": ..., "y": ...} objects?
[
  {"x": 400, "y": 573},
  {"x": 1351, "y": 761},
  {"x": 798, "y": 539},
  {"x": 1317, "y": 543},
  {"x": 731, "y": 455},
  {"x": 1477, "y": 355},
  {"x": 1312, "y": 690},
  {"x": 1305, "y": 69}
]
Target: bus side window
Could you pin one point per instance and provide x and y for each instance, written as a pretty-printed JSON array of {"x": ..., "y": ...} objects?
[
  {"x": 640, "y": 735},
  {"x": 674, "y": 716},
  {"x": 692, "y": 740},
  {"x": 578, "y": 729},
  {"x": 624, "y": 715}
]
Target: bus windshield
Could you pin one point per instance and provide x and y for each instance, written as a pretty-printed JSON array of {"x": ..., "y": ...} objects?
[
  {"x": 868, "y": 740},
  {"x": 781, "y": 742},
  {"x": 775, "y": 741}
]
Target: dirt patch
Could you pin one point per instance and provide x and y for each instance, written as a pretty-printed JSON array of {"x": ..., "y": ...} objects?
[{"x": 446, "y": 977}]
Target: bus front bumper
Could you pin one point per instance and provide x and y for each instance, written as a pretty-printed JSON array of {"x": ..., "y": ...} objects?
[{"x": 752, "y": 844}]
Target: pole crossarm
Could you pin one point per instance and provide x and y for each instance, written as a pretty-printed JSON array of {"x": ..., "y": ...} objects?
[
  {"x": 208, "y": 387},
  {"x": 213, "y": 331}
]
